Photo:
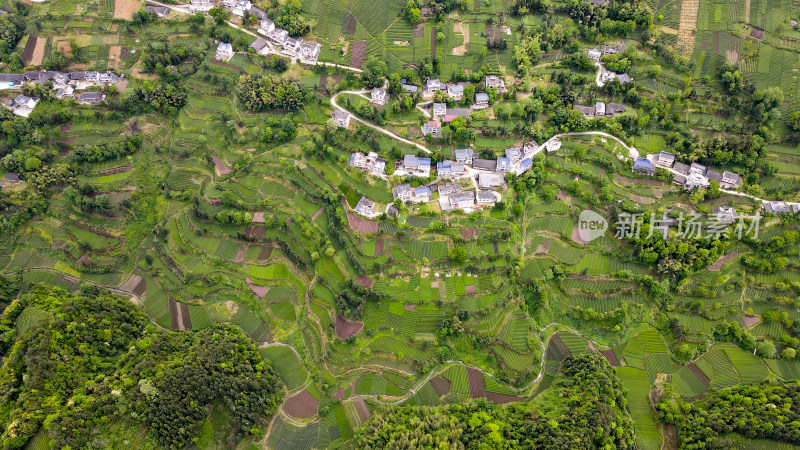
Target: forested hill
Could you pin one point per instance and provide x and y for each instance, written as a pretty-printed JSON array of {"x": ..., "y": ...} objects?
[
  {"x": 78, "y": 366},
  {"x": 584, "y": 409}
]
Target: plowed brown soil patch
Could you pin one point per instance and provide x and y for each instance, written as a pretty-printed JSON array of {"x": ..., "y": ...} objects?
[
  {"x": 361, "y": 408},
  {"x": 699, "y": 374},
  {"x": 220, "y": 167},
  {"x": 361, "y": 225},
  {"x": 240, "y": 254},
  {"x": 717, "y": 266},
  {"x": 477, "y": 385},
  {"x": 378, "y": 246},
  {"x": 301, "y": 405},
  {"x": 611, "y": 357},
  {"x": 265, "y": 253},
  {"x": 469, "y": 289},
  {"x": 503, "y": 398},
  {"x": 559, "y": 345},
  {"x": 418, "y": 31},
  {"x": 259, "y": 291},
  {"x": 749, "y": 321},
  {"x": 468, "y": 233},
  {"x": 576, "y": 236},
  {"x": 255, "y": 232},
  {"x": 364, "y": 281},
  {"x": 544, "y": 247},
  {"x": 346, "y": 328},
  {"x": 357, "y": 53},
  {"x": 440, "y": 385},
  {"x": 124, "y": 9},
  {"x": 339, "y": 394}
]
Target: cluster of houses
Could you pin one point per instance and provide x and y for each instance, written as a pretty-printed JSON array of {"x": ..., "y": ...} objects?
[
  {"x": 490, "y": 174},
  {"x": 600, "y": 109},
  {"x": 64, "y": 83},
  {"x": 370, "y": 163},
  {"x": 454, "y": 90},
  {"x": 781, "y": 207},
  {"x": 605, "y": 50},
  {"x": 307, "y": 52},
  {"x": 689, "y": 175}
]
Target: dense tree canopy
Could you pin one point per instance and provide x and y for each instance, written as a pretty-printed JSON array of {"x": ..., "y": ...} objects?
[
  {"x": 259, "y": 93},
  {"x": 584, "y": 409}
]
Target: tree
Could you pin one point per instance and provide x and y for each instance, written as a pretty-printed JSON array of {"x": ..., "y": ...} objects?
[
  {"x": 457, "y": 255},
  {"x": 788, "y": 353},
  {"x": 766, "y": 349},
  {"x": 374, "y": 72}
]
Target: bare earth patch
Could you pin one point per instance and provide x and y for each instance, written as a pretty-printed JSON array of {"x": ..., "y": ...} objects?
[
  {"x": 643, "y": 200},
  {"x": 699, "y": 374},
  {"x": 544, "y": 247},
  {"x": 135, "y": 284},
  {"x": 124, "y": 9},
  {"x": 503, "y": 398},
  {"x": 458, "y": 27},
  {"x": 477, "y": 385},
  {"x": 240, "y": 254},
  {"x": 364, "y": 281},
  {"x": 301, "y": 405},
  {"x": 749, "y": 321},
  {"x": 418, "y": 31},
  {"x": 611, "y": 357},
  {"x": 357, "y": 53},
  {"x": 717, "y": 266},
  {"x": 115, "y": 56},
  {"x": 440, "y": 385},
  {"x": 220, "y": 167},
  {"x": 259, "y": 291},
  {"x": 688, "y": 25},
  {"x": 468, "y": 233},
  {"x": 362, "y": 225},
  {"x": 361, "y": 408},
  {"x": 346, "y": 328}
]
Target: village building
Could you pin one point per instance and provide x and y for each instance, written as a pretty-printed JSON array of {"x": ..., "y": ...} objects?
[
  {"x": 594, "y": 54},
  {"x": 494, "y": 82},
  {"x": 486, "y": 198},
  {"x": 258, "y": 13},
  {"x": 278, "y": 36},
  {"x": 553, "y": 145},
  {"x": 240, "y": 7},
  {"x": 201, "y": 5},
  {"x": 365, "y": 207},
  {"x": 524, "y": 166},
  {"x": 481, "y": 101},
  {"x": 408, "y": 88},
  {"x": 403, "y": 192},
  {"x": 529, "y": 148},
  {"x": 513, "y": 154},
  {"x": 370, "y": 162},
  {"x": 439, "y": 110},
  {"x": 13, "y": 177},
  {"x": 586, "y": 111},
  {"x": 776, "y": 207},
  {"x": 432, "y": 127},
  {"x": 484, "y": 164},
  {"x": 431, "y": 86},
  {"x": 455, "y": 91},
  {"x": 259, "y": 44},
  {"x": 464, "y": 155},
  {"x": 730, "y": 179},
  {"x": 724, "y": 214},
  {"x": 611, "y": 49},
  {"x": 462, "y": 200},
  {"x": 503, "y": 164},
  {"x": 714, "y": 175},
  {"x": 453, "y": 113},
  {"x": 342, "y": 118},
  {"x": 91, "y": 98},
  {"x": 681, "y": 168},
  {"x": 159, "y": 11},
  {"x": 695, "y": 180},
  {"x": 490, "y": 180},
  {"x": 22, "y": 105},
  {"x": 450, "y": 169},
  {"x": 309, "y": 52},
  {"x": 423, "y": 194},
  {"x": 292, "y": 46},
  {"x": 379, "y": 96},
  {"x": 65, "y": 92},
  {"x": 266, "y": 27},
  {"x": 224, "y": 52},
  {"x": 414, "y": 165},
  {"x": 665, "y": 160},
  {"x": 643, "y": 166},
  {"x": 696, "y": 168},
  {"x": 448, "y": 188}
]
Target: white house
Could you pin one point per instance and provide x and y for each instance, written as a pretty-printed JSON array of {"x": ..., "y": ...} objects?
[
  {"x": 464, "y": 155},
  {"x": 697, "y": 168},
  {"x": 342, "y": 118},
  {"x": 439, "y": 110},
  {"x": 462, "y": 200},
  {"x": 513, "y": 154},
  {"x": 455, "y": 91},
  {"x": 365, "y": 207},
  {"x": 730, "y": 179},
  {"x": 379, "y": 96},
  {"x": 291, "y": 46},
  {"x": 433, "y": 127},
  {"x": 529, "y": 147},
  {"x": 241, "y": 7},
  {"x": 224, "y": 52},
  {"x": 494, "y": 82},
  {"x": 358, "y": 160},
  {"x": 599, "y": 109},
  {"x": 481, "y": 100},
  {"x": 553, "y": 145},
  {"x": 665, "y": 160},
  {"x": 91, "y": 98},
  {"x": 266, "y": 27},
  {"x": 503, "y": 164},
  {"x": 278, "y": 36},
  {"x": 524, "y": 166},
  {"x": 200, "y": 5},
  {"x": 431, "y": 86},
  {"x": 65, "y": 92},
  {"x": 309, "y": 52},
  {"x": 725, "y": 214},
  {"x": 403, "y": 192},
  {"x": 594, "y": 54},
  {"x": 486, "y": 198}
]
